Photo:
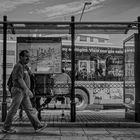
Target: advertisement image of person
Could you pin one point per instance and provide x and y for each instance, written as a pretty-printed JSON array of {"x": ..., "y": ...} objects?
[
  {"x": 20, "y": 96},
  {"x": 98, "y": 68}
]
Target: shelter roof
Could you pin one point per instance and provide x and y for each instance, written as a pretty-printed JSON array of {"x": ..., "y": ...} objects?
[{"x": 64, "y": 27}]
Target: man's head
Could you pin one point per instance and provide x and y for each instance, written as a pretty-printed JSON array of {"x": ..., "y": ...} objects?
[{"x": 24, "y": 57}]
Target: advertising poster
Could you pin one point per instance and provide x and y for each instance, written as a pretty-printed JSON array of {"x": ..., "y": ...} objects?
[
  {"x": 94, "y": 63},
  {"x": 129, "y": 93},
  {"x": 108, "y": 93},
  {"x": 45, "y": 53}
]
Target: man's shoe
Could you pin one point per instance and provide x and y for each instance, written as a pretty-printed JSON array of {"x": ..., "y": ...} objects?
[
  {"x": 10, "y": 131},
  {"x": 41, "y": 128}
]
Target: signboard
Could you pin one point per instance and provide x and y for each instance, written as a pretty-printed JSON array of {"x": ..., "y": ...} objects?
[
  {"x": 45, "y": 53},
  {"x": 95, "y": 63},
  {"x": 108, "y": 92}
]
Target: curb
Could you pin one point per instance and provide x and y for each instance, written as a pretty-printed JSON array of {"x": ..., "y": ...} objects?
[{"x": 84, "y": 124}]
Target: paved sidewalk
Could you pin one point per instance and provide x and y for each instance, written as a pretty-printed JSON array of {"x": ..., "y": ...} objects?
[
  {"x": 66, "y": 133},
  {"x": 87, "y": 118}
]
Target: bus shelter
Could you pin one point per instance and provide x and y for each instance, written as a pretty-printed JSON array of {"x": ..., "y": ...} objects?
[{"x": 29, "y": 28}]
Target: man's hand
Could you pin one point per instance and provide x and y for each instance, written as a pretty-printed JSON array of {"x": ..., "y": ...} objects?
[{"x": 28, "y": 92}]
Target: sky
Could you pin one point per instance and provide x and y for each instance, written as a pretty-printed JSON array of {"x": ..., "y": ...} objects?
[
  {"x": 52, "y": 10},
  {"x": 62, "y": 10}
]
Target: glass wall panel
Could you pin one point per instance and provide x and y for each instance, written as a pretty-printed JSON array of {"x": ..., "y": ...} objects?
[{"x": 129, "y": 75}]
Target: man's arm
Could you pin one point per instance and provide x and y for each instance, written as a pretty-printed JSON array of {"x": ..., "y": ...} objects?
[
  {"x": 25, "y": 88},
  {"x": 23, "y": 85}
]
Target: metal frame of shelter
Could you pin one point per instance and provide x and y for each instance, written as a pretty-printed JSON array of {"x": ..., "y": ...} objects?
[{"x": 72, "y": 27}]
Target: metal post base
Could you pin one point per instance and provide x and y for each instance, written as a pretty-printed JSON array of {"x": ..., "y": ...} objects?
[
  {"x": 73, "y": 112},
  {"x": 4, "y": 111},
  {"x": 137, "y": 114}
]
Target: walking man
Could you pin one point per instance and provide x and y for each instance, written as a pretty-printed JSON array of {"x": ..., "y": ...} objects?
[{"x": 20, "y": 96}]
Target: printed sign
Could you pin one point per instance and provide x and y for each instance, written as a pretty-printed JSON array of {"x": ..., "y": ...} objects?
[
  {"x": 129, "y": 92},
  {"x": 45, "y": 53}
]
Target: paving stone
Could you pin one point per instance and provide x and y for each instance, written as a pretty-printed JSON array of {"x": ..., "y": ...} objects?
[
  {"x": 72, "y": 132},
  {"x": 119, "y": 131},
  {"x": 18, "y": 137},
  {"x": 25, "y": 130},
  {"x": 51, "y": 132},
  {"x": 46, "y": 138},
  {"x": 135, "y": 131},
  {"x": 74, "y": 138},
  {"x": 101, "y": 138},
  {"x": 127, "y": 138},
  {"x": 95, "y": 131}
]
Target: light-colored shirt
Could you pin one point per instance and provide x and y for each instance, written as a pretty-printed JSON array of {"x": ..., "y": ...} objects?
[
  {"x": 26, "y": 78},
  {"x": 19, "y": 72}
]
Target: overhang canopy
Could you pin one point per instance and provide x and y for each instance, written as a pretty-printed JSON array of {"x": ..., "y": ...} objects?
[{"x": 64, "y": 27}]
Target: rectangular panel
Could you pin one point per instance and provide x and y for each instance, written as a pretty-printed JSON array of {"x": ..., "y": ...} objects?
[
  {"x": 45, "y": 53},
  {"x": 129, "y": 82}
]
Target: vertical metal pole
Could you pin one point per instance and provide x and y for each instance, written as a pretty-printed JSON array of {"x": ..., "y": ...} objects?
[
  {"x": 124, "y": 72},
  {"x": 139, "y": 27},
  {"x": 137, "y": 74},
  {"x": 139, "y": 68},
  {"x": 73, "y": 107},
  {"x": 4, "y": 103}
]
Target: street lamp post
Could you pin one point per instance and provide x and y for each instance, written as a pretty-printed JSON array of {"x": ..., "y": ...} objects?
[{"x": 86, "y": 3}]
